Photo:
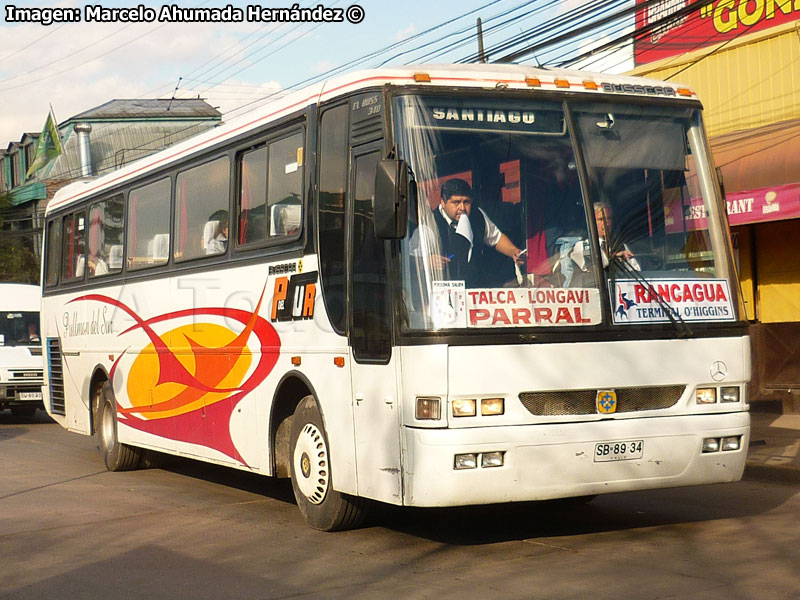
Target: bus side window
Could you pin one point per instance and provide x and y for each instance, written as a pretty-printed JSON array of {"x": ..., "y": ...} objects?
[
  {"x": 270, "y": 193},
  {"x": 73, "y": 258},
  {"x": 332, "y": 181},
  {"x": 371, "y": 324},
  {"x": 285, "y": 186},
  {"x": 53, "y": 256},
  {"x": 201, "y": 210},
  {"x": 148, "y": 225},
  {"x": 106, "y": 226},
  {"x": 251, "y": 209}
]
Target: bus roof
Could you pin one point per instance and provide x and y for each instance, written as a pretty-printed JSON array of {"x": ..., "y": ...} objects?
[
  {"x": 485, "y": 76},
  {"x": 18, "y": 297}
]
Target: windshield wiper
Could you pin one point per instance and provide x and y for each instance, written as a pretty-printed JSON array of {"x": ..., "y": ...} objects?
[{"x": 681, "y": 328}]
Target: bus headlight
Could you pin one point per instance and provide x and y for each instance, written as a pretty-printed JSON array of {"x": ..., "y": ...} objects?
[
  {"x": 730, "y": 443},
  {"x": 491, "y": 459},
  {"x": 492, "y": 406},
  {"x": 429, "y": 408},
  {"x": 465, "y": 461},
  {"x": 463, "y": 408},
  {"x": 729, "y": 394},
  {"x": 706, "y": 395}
]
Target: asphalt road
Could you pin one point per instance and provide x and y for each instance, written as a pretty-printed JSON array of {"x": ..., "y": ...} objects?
[{"x": 69, "y": 529}]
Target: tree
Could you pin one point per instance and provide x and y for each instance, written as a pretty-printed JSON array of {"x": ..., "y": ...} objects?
[{"x": 18, "y": 263}]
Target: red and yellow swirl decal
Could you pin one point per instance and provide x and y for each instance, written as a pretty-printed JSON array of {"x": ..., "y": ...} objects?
[{"x": 185, "y": 384}]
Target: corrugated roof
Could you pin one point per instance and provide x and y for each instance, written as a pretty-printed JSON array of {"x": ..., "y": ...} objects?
[
  {"x": 191, "y": 108},
  {"x": 116, "y": 144}
]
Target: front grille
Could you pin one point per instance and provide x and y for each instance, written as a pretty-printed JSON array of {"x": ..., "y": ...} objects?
[
  {"x": 582, "y": 402},
  {"x": 26, "y": 375},
  {"x": 55, "y": 371}
]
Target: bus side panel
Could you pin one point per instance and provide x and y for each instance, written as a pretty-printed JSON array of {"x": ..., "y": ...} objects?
[
  {"x": 306, "y": 334},
  {"x": 68, "y": 324},
  {"x": 332, "y": 386}
]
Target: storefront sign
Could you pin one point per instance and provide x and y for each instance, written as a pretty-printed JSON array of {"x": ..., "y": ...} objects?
[
  {"x": 686, "y": 299},
  {"x": 765, "y": 204},
  {"x": 751, "y": 206},
  {"x": 715, "y": 22}
]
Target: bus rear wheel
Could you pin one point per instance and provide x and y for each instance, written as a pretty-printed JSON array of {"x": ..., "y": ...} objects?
[
  {"x": 116, "y": 456},
  {"x": 323, "y": 507}
]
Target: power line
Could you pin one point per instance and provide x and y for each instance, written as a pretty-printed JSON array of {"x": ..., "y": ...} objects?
[
  {"x": 468, "y": 30},
  {"x": 50, "y": 31},
  {"x": 568, "y": 34},
  {"x": 557, "y": 24}
]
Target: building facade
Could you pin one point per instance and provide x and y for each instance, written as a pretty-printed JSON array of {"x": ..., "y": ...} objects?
[
  {"x": 748, "y": 79},
  {"x": 94, "y": 142}
]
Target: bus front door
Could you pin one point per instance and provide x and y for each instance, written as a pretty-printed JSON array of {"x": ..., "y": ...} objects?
[{"x": 373, "y": 367}]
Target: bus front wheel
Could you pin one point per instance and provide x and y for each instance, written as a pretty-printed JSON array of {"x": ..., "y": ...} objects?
[
  {"x": 116, "y": 456},
  {"x": 323, "y": 507}
]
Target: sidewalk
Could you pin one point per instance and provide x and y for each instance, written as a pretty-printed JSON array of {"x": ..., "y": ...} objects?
[{"x": 774, "y": 451}]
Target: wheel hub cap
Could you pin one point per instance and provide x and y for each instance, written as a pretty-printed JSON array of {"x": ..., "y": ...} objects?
[{"x": 311, "y": 461}]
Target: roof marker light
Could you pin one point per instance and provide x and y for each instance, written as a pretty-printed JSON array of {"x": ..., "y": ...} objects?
[
  {"x": 590, "y": 85},
  {"x": 684, "y": 92},
  {"x": 422, "y": 78},
  {"x": 533, "y": 81},
  {"x": 561, "y": 83}
]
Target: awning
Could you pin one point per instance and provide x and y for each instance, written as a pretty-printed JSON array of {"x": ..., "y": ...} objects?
[
  {"x": 27, "y": 193},
  {"x": 761, "y": 172}
]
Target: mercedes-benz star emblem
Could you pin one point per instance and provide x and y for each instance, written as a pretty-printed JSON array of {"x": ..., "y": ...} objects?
[{"x": 719, "y": 370}]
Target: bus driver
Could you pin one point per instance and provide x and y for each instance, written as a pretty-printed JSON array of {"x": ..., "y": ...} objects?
[{"x": 459, "y": 226}]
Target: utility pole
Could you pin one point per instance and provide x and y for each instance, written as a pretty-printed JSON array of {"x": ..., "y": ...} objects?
[{"x": 481, "y": 54}]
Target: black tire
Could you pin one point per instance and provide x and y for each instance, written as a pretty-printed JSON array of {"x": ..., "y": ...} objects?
[
  {"x": 23, "y": 412},
  {"x": 151, "y": 459},
  {"x": 309, "y": 457},
  {"x": 116, "y": 456}
]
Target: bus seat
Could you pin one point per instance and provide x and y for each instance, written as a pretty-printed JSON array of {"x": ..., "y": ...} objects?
[
  {"x": 285, "y": 216},
  {"x": 161, "y": 247},
  {"x": 80, "y": 265},
  {"x": 115, "y": 257}
]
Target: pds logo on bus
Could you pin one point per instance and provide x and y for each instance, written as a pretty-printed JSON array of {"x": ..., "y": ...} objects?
[{"x": 293, "y": 297}]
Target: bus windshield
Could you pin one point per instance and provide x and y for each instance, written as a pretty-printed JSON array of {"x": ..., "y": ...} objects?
[{"x": 527, "y": 216}]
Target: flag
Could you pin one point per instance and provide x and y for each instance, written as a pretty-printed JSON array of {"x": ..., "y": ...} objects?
[{"x": 48, "y": 146}]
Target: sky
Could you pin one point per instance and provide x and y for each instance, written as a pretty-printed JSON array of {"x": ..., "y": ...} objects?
[{"x": 75, "y": 66}]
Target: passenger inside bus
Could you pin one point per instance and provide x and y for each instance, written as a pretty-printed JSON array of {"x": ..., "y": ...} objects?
[
  {"x": 215, "y": 233},
  {"x": 609, "y": 245}
]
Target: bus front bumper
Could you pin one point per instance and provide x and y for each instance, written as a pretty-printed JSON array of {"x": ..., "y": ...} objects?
[
  {"x": 28, "y": 393},
  {"x": 542, "y": 462}
]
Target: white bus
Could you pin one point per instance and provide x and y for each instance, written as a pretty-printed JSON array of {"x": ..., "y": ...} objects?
[
  {"x": 427, "y": 286},
  {"x": 20, "y": 349}
]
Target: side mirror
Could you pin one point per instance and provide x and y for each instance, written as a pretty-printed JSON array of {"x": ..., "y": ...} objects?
[{"x": 391, "y": 199}]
